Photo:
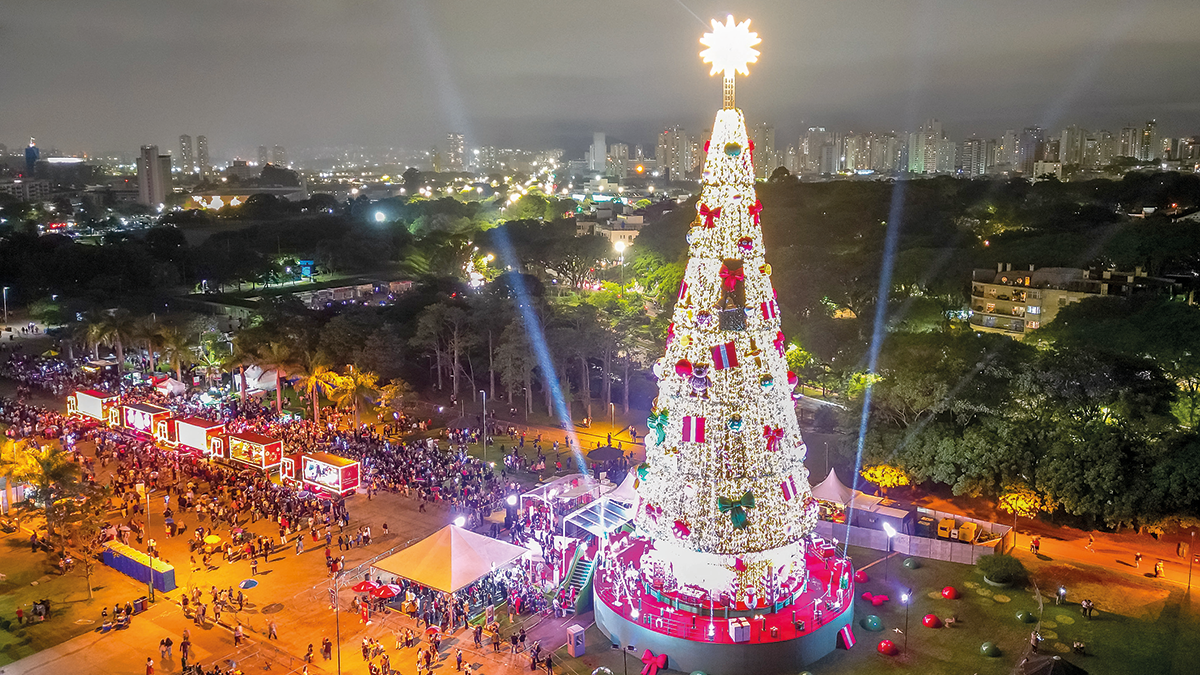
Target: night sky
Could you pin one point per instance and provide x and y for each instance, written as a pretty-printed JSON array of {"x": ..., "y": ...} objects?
[{"x": 101, "y": 75}]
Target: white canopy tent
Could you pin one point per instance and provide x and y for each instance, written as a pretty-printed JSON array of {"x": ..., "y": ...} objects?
[
  {"x": 450, "y": 559},
  {"x": 833, "y": 490},
  {"x": 171, "y": 387}
]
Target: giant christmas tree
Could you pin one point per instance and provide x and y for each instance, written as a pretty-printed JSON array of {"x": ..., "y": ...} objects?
[{"x": 724, "y": 493}]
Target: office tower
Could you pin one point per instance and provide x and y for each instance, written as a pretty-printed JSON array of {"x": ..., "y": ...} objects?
[
  {"x": 202, "y": 161},
  {"x": 674, "y": 153},
  {"x": 154, "y": 176},
  {"x": 599, "y": 152},
  {"x": 263, "y": 158},
  {"x": 973, "y": 153},
  {"x": 1030, "y": 149},
  {"x": 3, "y": 150},
  {"x": 456, "y": 151},
  {"x": 1148, "y": 145},
  {"x": 763, "y": 136},
  {"x": 279, "y": 156},
  {"x": 187, "y": 163}
]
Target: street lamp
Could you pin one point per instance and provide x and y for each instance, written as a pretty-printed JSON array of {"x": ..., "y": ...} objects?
[
  {"x": 1191, "y": 559},
  {"x": 6, "y": 305},
  {"x": 620, "y": 247},
  {"x": 891, "y": 532},
  {"x": 906, "y": 598},
  {"x": 624, "y": 656}
]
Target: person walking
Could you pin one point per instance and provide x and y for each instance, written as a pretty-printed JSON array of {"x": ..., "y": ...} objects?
[
  {"x": 254, "y": 566},
  {"x": 185, "y": 650},
  {"x": 167, "y": 644},
  {"x": 272, "y": 630},
  {"x": 1137, "y": 560},
  {"x": 458, "y": 659},
  {"x": 1091, "y": 543},
  {"x": 326, "y": 649},
  {"x": 238, "y": 635},
  {"x": 149, "y": 666},
  {"x": 549, "y": 664}
]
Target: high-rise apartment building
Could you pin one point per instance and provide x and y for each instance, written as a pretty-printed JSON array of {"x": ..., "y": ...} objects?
[
  {"x": 599, "y": 153},
  {"x": 618, "y": 159},
  {"x": 1071, "y": 145},
  {"x": 1006, "y": 152},
  {"x": 187, "y": 163},
  {"x": 203, "y": 163},
  {"x": 811, "y": 143},
  {"x": 674, "y": 153},
  {"x": 263, "y": 157},
  {"x": 763, "y": 136},
  {"x": 974, "y": 150},
  {"x": 456, "y": 151},
  {"x": 279, "y": 156},
  {"x": 1149, "y": 148},
  {"x": 154, "y": 176},
  {"x": 1030, "y": 149}
]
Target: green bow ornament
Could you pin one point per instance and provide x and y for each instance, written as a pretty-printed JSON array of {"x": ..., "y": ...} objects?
[
  {"x": 736, "y": 508},
  {"x": 658, "y": 424}
]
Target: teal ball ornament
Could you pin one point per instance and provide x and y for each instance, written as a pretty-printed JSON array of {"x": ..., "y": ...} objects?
[{"x": 735, "y": 423}]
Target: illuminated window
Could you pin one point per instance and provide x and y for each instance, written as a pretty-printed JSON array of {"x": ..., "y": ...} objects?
[
  {"x": 1034, "y": 324},
  {"x": 991, "y": 307},
  {"x": 1033, "y": 309}
]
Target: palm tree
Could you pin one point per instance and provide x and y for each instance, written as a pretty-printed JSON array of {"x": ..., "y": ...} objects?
[
  {"x": 92, "y": 331},
  {"x": 15, "y": 462},
  {"x": 358, "y": 386},
  {"x": 211, "y": 361},
  {"x": 317, "y": 380},
  {"x": 177, "y": 350},
  {"x": 239, "y": 357},
  {"x": 149, "y": 332},
  {"x": 117, "y": 330},
  {"x": 280, "y": 357},
  {"x": 54, "y": 477}
]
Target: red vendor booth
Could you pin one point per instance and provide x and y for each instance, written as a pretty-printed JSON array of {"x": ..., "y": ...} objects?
[
  {"x": 92, "y": 404},
  {"x": 256, "y": 450},
  {"x": 143, "y": 417},
  {"x": 198, "y": 435},
  {"x": 330, "y": 473}
]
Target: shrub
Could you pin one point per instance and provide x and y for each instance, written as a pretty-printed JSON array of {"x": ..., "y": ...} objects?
[{"x": 1002, "y": 569}]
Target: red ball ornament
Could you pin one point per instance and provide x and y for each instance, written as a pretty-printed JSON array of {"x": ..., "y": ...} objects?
[
  {"x": 860, "y": 576},
  {"x": 792, "y": 379},
  {"x": 950, "y": 593},
  {"x": 746, "y": 244},
  {"x": 887, "y": 648},
  {"x": 931, "y": 621},
  {"x": 683, "y": 368}
]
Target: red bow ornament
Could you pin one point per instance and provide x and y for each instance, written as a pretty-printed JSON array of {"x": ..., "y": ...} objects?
[
  {"x": 773, "y": 436},
  {"x": 653, "y": 663},
  {"x": 681, "y": 529},
  {"x": 710, "y": 215},
  {"x": 756, "y": 211},
  {"x": 730, "y": 278}
]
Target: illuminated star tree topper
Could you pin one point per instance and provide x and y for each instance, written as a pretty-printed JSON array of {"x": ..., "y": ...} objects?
[{"x": 730, "y": 50}]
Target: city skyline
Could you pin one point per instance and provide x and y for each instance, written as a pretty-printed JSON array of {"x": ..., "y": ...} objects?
[{"x": 420, "y": 70}]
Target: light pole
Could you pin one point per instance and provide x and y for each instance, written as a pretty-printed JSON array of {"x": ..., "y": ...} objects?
[
  {"x": 1191, "y": 559},
  {"x": 906, "y": 598},
  {"x": 619, "y": 247},
  {"x": 485, "y": 429},
  {"x": 612, "y": 414},
  {"x": 891, "y": 532},
  {"x": 6, "y": 305}
]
